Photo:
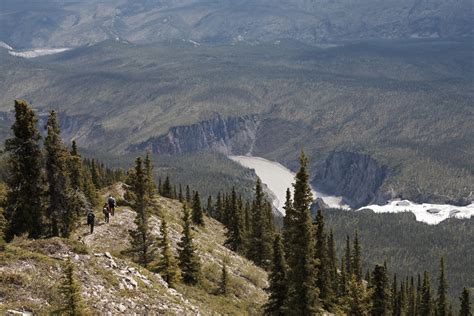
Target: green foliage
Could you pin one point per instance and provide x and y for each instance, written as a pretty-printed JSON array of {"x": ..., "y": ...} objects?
[
  {"x": 197, "y": 213},
  {"x": 223, "y": 284},
  {"x": 26, "y": 188},
  {"x": 189, "y": 261},
  {"x": 358, "y": 302},
  {"x": 380, "y": 295},
  {"x": 167, "y": 266},
  {"x": 303, "y": 293},
  {"x": 278, "y": 289},
  {"x": 465, "y": 303},
  {"x": 426, "y": 301},
  {"x": 142, "y": 242},
  {"x": 441, "y": 302},
  {"x": 70, "y": 290},
  {"x": 235, "y": 225}
]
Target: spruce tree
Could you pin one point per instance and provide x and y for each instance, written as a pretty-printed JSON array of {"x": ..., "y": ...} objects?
[
  {"x": 75, "y": 168},
  {"x": 235, "y": 226},
  {"x": 332, "y": 263},
  {"x": 59, "y": 211},
  {"x": 303, "y": 293},
  {"x": 209, "y": 208},
  {"x": 197, "y": 214},
  {"x": 426, "y": 308},
  {"x": 167, "y": 266},
  {"x": 188, "y": 195},
  {"x": 323, "y": 280},
  {"x": 189, "y": 262},
  {"x": 71, "y": 293},
  {"x": 219, "y": 207},
  {"x": 278, "y": 289},
  {"x": 142, "y": 243},
  {"x": 411, "y": 311},
  {"x": 358, "y": 304},
  {"x": 356, "y": 264},
  {"x": 380, "y": 295},
  {"x": 348, "y": 256},
  {"x": 465, "y": 303},
  {"x": 288, "y": 225},
  {"x": 95, "y": 175},
  {"x": 166, "y": 189},
  {"x": 180, "y": 194},
  {"x": 151, "y": 187},
  {"x": 224, "y": 280},
  {"x": 26, "y": 187},
  {"x": 260, "y": 242},
  {"x": 441, "y": 302}
]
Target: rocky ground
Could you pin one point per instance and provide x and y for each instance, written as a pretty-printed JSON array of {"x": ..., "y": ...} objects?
[{"x": 31, "y": 271}]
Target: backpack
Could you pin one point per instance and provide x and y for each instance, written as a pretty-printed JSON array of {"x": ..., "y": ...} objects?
[
  {"x": 90, "y": 218},
  {"x": 105, "y": 210},
  {"x": 111, "y": 201}
]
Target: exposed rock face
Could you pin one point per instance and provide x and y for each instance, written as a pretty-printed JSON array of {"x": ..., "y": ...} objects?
[
  {"x": 234, "y": 135},
  {"x": 355, "y": 176}
]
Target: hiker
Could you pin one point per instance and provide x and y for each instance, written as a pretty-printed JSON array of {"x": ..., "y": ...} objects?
[
  {"x": 106, "y": 212},
  {"x": 90, "y": 220},
  {"x": 111, "y": 201}
]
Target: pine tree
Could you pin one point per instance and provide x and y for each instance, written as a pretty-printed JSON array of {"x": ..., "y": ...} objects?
[
  {"x": 323, "y": 281},
  {"x": 356, "y": 265},
  {"x": 441, "y": 303},
  {"x": 426, "y": 308},
  {"x": 189, "y": 262},
  {"x": 278, "y": 289},
  {"x": 59, "y": 211},
  {"x": 219, "y": 207},
  {"x": 71, "y": 293},
  {"x": 394, "y": 296},
  {"x": 167, "y": 266},
  {"x": 303, "y": 294},
  {"x": 197, "y": 215},
  {"x": 224, "y": 280},
  {"x": 151, "y": 187},
  {"x": 235, "y": 226},
  {"x": 465, "y": 303},
  {"x": 180, "y": 194},
  {"x": 95, "y": 175},
  {"x": 26, "y": 187},
  {"x": 209, "y": 208},
  {"x": 380, "y": 295},
  {"x": 142, "y": 243}
]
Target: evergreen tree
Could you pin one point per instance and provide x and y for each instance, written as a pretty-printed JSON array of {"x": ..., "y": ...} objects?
[
  {"x": 142, "y": 245},
  {"x": 278, "y": 289},
  {"x": 333, "y": 275},
  {"x": 348, "y": 257},
  {"x": 323, "y": 281},
  {"x": 150, "y": 183},
  {"x": 260, "y": 242},
  {"x": 24, "y": 198},
  {"x": 95, "y": 175},
  {"x": 197, "y": 215},
  {"x": 71, "y": 293},
  {"x": 441, "y": 303},
  {"x": 209, "y": 208},
  {"x": 426, "y": 308},
  {"x": 59, "y": 211},
  {"x": 75, "y": 168},
  {"x": 380, "y": 295},
  {"x": 189, "y": 262},
  {"x": 219, "y": 207},
  {"x": 358, "y": 304},
  {"x": 167, "y": 266},
  {"x": 394, "y": 296},
  {"x": 465, "y": 303},
  {"x": 188, "y": 195},
  {"x": 224, "y": 280},
  {"x": 235, "y": 227},
  {"x": 180, "y": 194},
  {"x": 166, "y": 189},
  {"x": 356, "y": 265},
  {"x": 411, "y": 299},
  {"x": 303, "y": 294},
  {"x": 288, "y": 224}
]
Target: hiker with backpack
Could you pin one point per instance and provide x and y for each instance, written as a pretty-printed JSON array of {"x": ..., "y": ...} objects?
[
  {"x": 106, "y": 212},
  {"x": 91, "y": 219},
  {"x": 112, "y": 203}
]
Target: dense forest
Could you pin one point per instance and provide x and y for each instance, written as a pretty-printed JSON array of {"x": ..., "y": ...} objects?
[{"x": 49, "y": 188}]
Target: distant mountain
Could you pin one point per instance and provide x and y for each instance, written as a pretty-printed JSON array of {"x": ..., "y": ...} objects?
[
  {"x": 56, "y": 23},
  {"x": 379, "y": 119}
]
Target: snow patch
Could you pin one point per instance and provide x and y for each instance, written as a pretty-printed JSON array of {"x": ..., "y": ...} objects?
[
  {"x": 37, "y": 52},
  {"x": 5, "y": 45},
  {"x": 429, "y": 213},
  {"x": 278, "y": 178}
]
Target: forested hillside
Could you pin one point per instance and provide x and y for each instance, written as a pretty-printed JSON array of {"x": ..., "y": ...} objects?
[
  {"x": 400, "y": 105},
  {"x": 175, "y": 254}
]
